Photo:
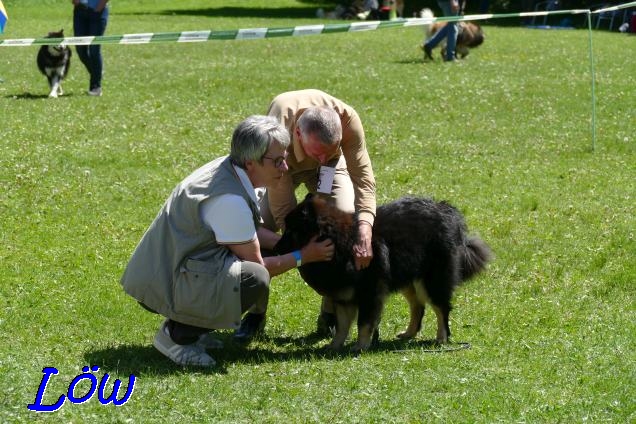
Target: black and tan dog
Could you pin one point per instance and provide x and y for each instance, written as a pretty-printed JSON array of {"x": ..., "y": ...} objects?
[
  {"x": 54, "y": 62},
  {"x": 469, "y": 35},
  {"x": 420, "y": 247}
]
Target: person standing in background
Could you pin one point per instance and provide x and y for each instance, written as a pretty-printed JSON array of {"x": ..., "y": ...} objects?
[
  {"x": 449, "y": 31},
  {"x": 90, "y": 18}
]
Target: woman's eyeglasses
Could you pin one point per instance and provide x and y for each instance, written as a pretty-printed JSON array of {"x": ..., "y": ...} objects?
[{"x": 278, "y": 161}]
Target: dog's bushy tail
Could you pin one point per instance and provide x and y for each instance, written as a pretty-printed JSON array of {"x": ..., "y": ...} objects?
[
  {"x": 426, "y": 13},
  {"x": 475, "y": 256}
]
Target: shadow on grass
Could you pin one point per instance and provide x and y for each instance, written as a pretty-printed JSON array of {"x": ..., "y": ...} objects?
[
  {"x": 418, "y": 61},
  {"x": 31, "y": 96},
  {"x": 239, "y": 12},
  {"x": 146, "y": 360}
]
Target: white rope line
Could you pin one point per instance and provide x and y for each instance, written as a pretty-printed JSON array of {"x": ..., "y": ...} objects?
[{"x": 297, "y": 31}]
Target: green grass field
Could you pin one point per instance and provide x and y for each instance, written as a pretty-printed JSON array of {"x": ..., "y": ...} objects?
[{"x": 504, "y": 135}]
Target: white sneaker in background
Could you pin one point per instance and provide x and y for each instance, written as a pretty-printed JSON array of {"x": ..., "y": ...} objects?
[{"x": 97, "y": 91}]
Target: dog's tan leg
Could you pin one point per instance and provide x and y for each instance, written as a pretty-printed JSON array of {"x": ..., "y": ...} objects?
[
  {"x": 442, "y": 325},
  {"x": 365, "y": 336},
  {"x": 461, "y": 51},
  {"x": 368, "y": 334},
  {"x": 345, "y": 314},
  {"x": 417, "y": 313}
]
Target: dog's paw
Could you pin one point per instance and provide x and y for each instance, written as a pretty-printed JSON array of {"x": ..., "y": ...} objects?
[
  {"x": 404, "y": 335},
  {"x": 334, "y": 346},
  {"x": 360, "y": 347},
  {"x": 441, "y": 340}
]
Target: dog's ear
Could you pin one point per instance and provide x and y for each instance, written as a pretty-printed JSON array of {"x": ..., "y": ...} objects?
[{"x": 308, "y": 210}]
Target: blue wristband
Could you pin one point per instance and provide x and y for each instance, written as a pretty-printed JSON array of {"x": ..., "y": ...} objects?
[{"x": 298, "y": 258}]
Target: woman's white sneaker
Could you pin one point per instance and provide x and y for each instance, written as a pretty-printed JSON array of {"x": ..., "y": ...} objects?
[
  {"x": 192, "y": 354},
  {"x": 207, "y": 341}
]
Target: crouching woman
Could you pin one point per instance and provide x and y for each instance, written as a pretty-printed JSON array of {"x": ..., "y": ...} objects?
[{"x": 199, "y": 264}]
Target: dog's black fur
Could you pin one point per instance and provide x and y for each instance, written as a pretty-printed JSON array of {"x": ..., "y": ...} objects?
[
  {"x": 420, "y": 248},
  {"x": 54, "y": 62}
]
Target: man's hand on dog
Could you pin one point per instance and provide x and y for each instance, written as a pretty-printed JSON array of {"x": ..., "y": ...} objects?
[{"x": 362, "y": 250}]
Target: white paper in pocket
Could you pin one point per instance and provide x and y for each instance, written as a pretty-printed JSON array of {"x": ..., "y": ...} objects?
[{"x": 325, "y": 179}]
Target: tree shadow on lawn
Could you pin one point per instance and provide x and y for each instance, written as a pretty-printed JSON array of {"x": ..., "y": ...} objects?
[{"x": 146, "y": 360}]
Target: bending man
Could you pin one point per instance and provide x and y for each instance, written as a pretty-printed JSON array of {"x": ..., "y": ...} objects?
[{"x": 327, "y": 139}]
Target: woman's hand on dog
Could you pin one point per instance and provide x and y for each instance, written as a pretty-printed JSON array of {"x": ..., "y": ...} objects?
[
  {"x": 362, "y": 251},
  {"x": 317, "y": 251}
]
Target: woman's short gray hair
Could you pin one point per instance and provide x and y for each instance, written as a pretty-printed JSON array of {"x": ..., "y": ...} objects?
[
  {"x": 254, "y": 135},
  {"x": 323, "y": 122}
]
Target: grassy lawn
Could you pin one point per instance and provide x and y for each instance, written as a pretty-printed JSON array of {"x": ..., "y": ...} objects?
[{"x": 504, "y": 135}]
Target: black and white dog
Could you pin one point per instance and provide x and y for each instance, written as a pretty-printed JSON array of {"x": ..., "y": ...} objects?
[
  {"x": 421, "y": 248},
  {"x": 54, "y": 61}
]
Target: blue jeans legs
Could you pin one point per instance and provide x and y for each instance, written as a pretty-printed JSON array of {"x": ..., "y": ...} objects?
[
  {"x": 449, "y": 32},
  {"x": 87, "y": 22}
]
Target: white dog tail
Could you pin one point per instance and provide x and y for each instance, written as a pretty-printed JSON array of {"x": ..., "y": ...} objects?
[{"x": 427, "y": 13}]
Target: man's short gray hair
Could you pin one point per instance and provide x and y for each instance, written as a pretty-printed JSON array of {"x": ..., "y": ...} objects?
[
  {"x": 254, "y": 135},
  {"x": 323, "y": 122}
]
